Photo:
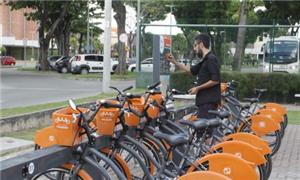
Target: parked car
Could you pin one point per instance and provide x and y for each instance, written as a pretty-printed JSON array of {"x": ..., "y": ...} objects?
[
  {"x": 131, "y": 61},
  {"x": 8, "y": 60},
  {"x": 86, "y": 63},
  {"x": 51, "y": 61},
  {"x": 146, "y": 66},
  {"x": 116, "y": 63},
  {"x": 62, "y": 64}
]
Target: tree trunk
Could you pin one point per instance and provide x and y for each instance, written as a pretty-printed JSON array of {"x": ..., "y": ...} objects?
[
  {"x": 120, "y": 17},
  {"x": 44, "y": 40},
  {"x": 240, "y": 45},
  {"x": 80, "y": 42},
  {"x": 62, "y": 36},
  {"x": 190, "y": 54},
  {"x": 131, "y": 38},
  {"x": 67, "y": 35},
  {"x": 218, "y": 47},
  {"x": 43, "y": 50}
]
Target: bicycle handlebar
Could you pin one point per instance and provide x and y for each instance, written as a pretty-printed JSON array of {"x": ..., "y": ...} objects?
[
  {"x": 153, "y": 86},
  {"x": 128, "y": 88},
  {"x": 177, "y": 92},
  {"x": 116, "y": 89}
]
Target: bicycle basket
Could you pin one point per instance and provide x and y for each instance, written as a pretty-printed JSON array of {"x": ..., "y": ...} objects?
[
  {"x": 106, "y": 119},
  {"x": 153, "y": 111},
  {"x": 66, "y": 127},
  {"x": 155, "y": 97},
  {"x": 136, "y": 104}
]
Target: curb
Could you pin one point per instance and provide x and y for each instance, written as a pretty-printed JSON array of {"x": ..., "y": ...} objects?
[
  {"x": 12, "y": 145},
  {"x": 29, "y": 120}
]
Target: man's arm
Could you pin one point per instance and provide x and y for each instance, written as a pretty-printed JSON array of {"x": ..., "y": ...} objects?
[
  {"x": 206, "y": 85},
  {"x": 171, "y": 59}
]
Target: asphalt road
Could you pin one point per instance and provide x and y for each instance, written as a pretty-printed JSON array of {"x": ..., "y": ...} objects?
[{"x": 19, "y": 88}]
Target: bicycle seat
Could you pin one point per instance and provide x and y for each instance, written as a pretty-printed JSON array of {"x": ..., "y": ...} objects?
[
  {"x": 213, "y": 123},
  {"x": 221, "y": 114},
  {"x": 172, "y": 139},
  {"x": 198, "y": 124},
  {"x": 260, "y": 90},
  {"x": 131, "y": 96},
  {"x": 251, "y": 100}
]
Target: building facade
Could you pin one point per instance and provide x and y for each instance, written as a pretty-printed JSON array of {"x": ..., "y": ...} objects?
[{"x": 18, "y": 36}]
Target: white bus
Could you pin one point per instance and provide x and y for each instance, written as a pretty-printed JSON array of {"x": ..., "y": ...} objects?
[{"x": 285, "y": 57}]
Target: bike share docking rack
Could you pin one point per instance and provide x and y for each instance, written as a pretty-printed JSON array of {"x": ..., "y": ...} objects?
[{"x": 27, "y": 165}]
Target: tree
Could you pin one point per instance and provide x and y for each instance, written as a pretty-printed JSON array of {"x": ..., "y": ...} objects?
[
  {"x": 2, "y": 50},
  {"x": 42, "y": 11},
  {"x": 286, "y": 12},
  {"x": 120, "y": 17},
  {"x": 236, "y": 66},
  {"x": 179, "y": 45},
  {"x": 201, "y": 12}
]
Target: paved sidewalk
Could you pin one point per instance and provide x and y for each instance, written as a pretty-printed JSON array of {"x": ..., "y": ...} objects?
[{"x": 286, "y": 162}]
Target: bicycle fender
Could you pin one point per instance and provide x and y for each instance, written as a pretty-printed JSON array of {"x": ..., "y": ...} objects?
[
  {"x": 204, "y": 175},
  {"x": 228, "y": 165},
  {"x": 271, "y": 114},
  {"x": 275, "y": 107},
  {"x": 251, "y": 139},
  {"x": 120, "y": 161},
  {"x": 82, "y": 173},
  {"x": 242, "y": 150},
  {"x": 262, "y": 125}
]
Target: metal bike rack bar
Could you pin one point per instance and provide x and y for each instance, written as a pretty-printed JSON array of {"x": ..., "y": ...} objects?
[{"x": 27, "y": 165}]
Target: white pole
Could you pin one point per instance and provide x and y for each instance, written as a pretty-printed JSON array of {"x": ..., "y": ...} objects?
[
  {"x": 88, "y": 30},
  {"x": 171, "y": 27},
  {"x": 107, "y": 46},
  {"x": 137, "y": 54}
]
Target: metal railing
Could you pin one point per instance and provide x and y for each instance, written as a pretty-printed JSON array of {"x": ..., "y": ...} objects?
[{"x": 27, "y": 165}]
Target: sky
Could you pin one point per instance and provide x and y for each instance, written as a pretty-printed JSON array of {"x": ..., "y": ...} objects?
[{"x": 131, "y": 23}]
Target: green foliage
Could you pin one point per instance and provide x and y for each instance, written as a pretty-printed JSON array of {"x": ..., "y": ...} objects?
[
  {"x": 147, "y": 45},
  {"x": 283, "y": 12},
  {"x": 2, "y": 50},
  {"x": 179, "y": 45},
  {"x": 153, "y": 10},
  {"x": 281, "y": 87}
]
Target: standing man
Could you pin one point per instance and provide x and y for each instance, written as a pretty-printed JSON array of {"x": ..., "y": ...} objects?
[{"x": 208, "y": 93}]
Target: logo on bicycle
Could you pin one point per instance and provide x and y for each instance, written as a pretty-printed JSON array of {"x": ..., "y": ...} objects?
[
  {"x": 238, "y": 154},
  {"x": 227, "y": 171},
  {"x": 262, "y": 124},
  {"x": 51, "y": 138},
  {"x": 107, "y": 116},
  {"x": 62, "y": 120}
]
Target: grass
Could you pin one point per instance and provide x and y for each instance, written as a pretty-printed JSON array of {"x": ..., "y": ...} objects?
[
  {"x": 128, "y": 76},
  {"x": 294, "y": 117},
  {"x": 25, "y": 134},
  {"x": 35, "y": 108}
]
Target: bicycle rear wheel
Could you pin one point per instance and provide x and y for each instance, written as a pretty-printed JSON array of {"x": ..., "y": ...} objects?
[{"x": 59, "y": 174}]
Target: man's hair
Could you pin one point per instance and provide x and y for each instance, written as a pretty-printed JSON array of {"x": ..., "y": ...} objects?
[{"x": 204, "y": 38}]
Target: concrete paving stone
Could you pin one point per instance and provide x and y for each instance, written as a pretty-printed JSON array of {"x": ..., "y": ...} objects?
[
  {"x": 10, "y": 145},
  {"x": 286, "y": 163}
]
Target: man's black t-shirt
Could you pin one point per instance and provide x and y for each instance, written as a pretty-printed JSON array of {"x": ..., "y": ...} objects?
[{"x": 208, "y": 69}]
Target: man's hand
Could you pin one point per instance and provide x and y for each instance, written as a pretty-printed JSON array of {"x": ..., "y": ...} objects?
[
  {"x": 169, "y": 57},
  {"x": 193, "y": 90}
]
